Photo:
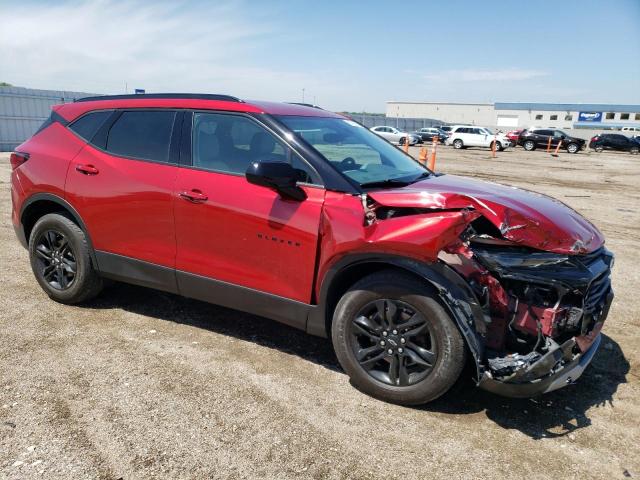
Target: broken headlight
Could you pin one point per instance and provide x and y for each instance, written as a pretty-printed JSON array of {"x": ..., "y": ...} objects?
[{"x": 496, "y": 259}]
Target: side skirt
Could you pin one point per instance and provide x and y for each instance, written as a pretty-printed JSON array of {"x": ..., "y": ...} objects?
[{"x": 137, "y": 272}]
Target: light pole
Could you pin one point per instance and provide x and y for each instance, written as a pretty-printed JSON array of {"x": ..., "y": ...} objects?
[{"x": 303, "y": 95}]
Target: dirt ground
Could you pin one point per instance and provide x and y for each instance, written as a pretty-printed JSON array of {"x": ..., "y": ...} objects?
[{"x": 144, "y": 384}]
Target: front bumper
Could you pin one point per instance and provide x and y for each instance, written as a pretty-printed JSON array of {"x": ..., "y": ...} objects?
[{"x": 562, "y": 377}]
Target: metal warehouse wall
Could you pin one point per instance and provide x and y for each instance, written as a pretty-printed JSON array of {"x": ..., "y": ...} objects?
[{"x": 22, "y": 111}]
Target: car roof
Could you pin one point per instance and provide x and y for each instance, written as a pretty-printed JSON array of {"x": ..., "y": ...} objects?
[{"x": 71, "y": 111}]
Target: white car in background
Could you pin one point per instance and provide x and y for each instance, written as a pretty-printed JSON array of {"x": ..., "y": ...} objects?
[
  {"x": 463, "y": 136},
  {"x": 394, "y": 135}
]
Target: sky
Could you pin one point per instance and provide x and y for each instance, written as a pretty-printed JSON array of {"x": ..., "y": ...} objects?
[{"x": 346, "y": 55}]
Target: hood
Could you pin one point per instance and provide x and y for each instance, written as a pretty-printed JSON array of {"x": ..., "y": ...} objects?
[{"x": 524, "y": 217}]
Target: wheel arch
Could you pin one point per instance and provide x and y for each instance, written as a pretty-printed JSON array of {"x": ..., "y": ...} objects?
[
  {"x": 40, "y": 204},
  {"x": 451, "y": 289}
]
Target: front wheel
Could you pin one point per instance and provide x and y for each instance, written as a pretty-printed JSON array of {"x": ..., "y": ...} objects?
[
  {"x": 59, "y": 254},
  {"x": 598, "y": 148},
  {"x": 573, "y": 148},
  {"x": 396, "y": 341},
  {"x": 457, "y": 144},
  {"x": 634, "y": 150}
]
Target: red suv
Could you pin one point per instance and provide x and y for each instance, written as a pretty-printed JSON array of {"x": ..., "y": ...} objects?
[{"x": 304, "y": 216}]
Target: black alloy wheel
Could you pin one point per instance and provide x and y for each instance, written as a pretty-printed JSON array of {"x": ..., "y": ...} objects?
[
  {"x": 392, "y": 342},
  {"x": 56, "y": 259}
]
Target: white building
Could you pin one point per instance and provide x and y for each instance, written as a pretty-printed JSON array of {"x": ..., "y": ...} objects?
[{"x": 522, "y": 115}]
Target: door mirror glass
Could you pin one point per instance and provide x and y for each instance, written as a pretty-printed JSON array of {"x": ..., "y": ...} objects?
[{"x": 278, "y": 176}]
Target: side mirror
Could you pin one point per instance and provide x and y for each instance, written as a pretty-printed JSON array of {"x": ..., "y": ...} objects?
[{"x": 278, "y": 176}]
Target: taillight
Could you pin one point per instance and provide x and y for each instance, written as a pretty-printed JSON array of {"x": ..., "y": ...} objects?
[{"x": 17, "y": 159}]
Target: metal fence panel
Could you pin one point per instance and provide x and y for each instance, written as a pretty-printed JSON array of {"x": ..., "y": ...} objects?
[
  {"x": 401, "y": 123},
  {"x": 22, "y": 111}
]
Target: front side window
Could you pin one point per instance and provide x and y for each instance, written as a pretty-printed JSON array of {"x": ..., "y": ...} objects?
[
  {"x": 142, "y": 134},
  {"x": 230, "y": 143},
  {"x": 355, "y": 151}
]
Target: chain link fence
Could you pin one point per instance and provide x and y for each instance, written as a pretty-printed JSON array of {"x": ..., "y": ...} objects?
[{"x": 401, "y": 123}]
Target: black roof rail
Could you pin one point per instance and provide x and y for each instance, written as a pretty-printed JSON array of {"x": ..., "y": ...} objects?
[
  {"x": 190, "y": 96},
  {"x": 306, "y": 105}
]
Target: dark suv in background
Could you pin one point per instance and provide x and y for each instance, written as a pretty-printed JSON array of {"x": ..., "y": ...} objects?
[
  {"x": 614, "y": 141},
  {"x": 533, "y": 138}
]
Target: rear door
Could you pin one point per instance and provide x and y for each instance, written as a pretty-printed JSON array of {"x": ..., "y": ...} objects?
[
  {"x": 236, "y": 232},
  {"x": 122, "y": 185}
]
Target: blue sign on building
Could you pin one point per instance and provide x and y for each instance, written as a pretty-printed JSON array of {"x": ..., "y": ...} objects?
[
  {"x": 590, "y": 116},
  {"x": 139, "y": 91}
]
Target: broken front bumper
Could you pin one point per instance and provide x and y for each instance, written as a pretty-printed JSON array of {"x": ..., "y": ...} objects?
[{"x": 564, "y": 376}]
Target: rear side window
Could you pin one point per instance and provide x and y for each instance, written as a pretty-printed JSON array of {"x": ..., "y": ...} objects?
[
  {"x": 87, "y": 125},
  {"x": 144, "y": 134}
]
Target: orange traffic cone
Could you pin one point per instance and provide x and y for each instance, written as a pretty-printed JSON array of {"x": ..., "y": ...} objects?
[
  {"x": 494, "y": 147},
  {"x": 422, "y": 158},
  {"x": 432, "y": 161},
  {"x": 406, "y": 144},
  {"x": 555, "y": 153},
  {"x": 549, "y": 145}
]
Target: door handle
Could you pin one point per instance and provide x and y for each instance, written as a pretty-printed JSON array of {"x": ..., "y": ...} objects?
[
  {"x": 87, "y": 169},
  {"x": 193, "y": 196}
]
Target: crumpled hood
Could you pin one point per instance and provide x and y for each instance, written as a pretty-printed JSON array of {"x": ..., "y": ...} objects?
[{"x": 524, "y": 217}]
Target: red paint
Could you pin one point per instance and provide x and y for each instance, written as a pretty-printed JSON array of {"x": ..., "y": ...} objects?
[
  {"x": 127, "y": 207},
  {"x": 247, "y": 235}
]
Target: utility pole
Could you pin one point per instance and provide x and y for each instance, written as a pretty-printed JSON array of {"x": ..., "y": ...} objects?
[{"x": 303, "y": 95}]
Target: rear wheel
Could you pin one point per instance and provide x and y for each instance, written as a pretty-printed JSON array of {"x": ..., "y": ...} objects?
[
  {"x": 499, "y": 146},
  {"x": 598, "y": 148},
  {"x": 458, "y": 144},
  {"x": 573, "y": 148},
  {"x": 59, "y": 254},
  {"x": 634, "y": 150},
  {"x": 395, "y": 341},
  {"x": 529, "y": 145}
]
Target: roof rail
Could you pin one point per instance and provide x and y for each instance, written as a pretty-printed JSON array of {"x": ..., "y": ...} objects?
[{"x": 192, "y": 96}]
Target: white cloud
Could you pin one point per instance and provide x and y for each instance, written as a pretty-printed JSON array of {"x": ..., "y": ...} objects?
[
  {"x": 478, "y": 75},
  {"x": 161, "y": 46}
]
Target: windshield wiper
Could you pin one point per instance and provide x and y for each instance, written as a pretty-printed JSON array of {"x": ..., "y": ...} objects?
[
  {"x": 388, "y": 183},
  {"x": 420, "y": 177}
]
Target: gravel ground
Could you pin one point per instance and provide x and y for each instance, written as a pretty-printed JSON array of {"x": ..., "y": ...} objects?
[{"x": 143, "y": 384}]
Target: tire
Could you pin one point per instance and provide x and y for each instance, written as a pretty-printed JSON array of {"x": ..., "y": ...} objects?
[
  {"x": 598, "y": 148},
  {"x": 57, "y": 246},
  {"x": 499, "y": 147},
  {"x": 573, "y": 148},
  {"x": 458, "y": 144},
  {"x": 431, "y": 361},
  {"x": 529, "y": 145},
  {"x": 402, "y": 140},
  {"x": 634, "y": 150}
]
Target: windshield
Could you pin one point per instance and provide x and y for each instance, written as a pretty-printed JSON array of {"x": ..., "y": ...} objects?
[{"x": 357, "y": 152}]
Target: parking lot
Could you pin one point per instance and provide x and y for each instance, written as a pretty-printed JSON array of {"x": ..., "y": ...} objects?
[{"x": 140, "y": 383}]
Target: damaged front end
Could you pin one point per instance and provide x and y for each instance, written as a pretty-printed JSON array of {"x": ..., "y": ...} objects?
[
  {"x": 538, "y": 270},
  {"x": 544, "y": 310}
]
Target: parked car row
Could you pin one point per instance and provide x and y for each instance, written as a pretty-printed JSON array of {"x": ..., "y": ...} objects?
[{"x": 463, "y": 136}]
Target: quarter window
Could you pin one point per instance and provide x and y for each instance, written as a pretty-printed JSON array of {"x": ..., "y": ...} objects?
[
  {"x": 230, "y": 143},
  {"x": 142, "y": 134},
  {"x": 87, "y": 125}
]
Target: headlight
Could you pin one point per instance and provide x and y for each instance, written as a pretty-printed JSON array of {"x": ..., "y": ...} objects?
[{"x": 496, "y": 259}]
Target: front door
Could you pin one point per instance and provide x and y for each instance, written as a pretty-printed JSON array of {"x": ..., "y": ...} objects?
[{"x": 231, "y": 231}]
